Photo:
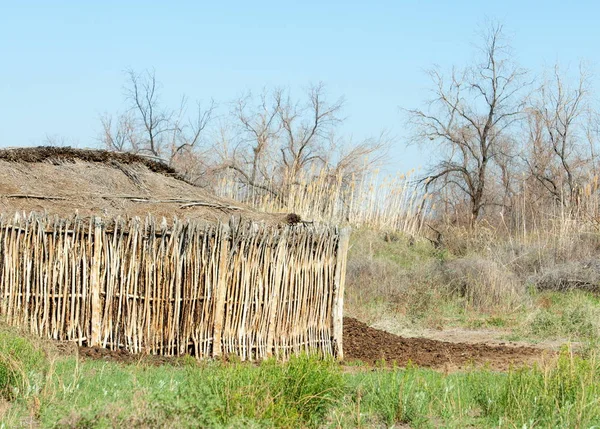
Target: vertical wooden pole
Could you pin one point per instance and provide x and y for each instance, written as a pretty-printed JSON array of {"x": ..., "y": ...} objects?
[
  {"x": 222, "y": 238},
  {"x": 95, "y": 284},
  {"x": 338, "y": 293},
  {"x": 278, "y": 283}
]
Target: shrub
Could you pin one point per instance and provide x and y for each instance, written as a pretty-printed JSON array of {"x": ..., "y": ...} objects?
[
  {"x": 310, "y": 386},
  {"x": 573, "y": 315},
  {"x": 568, "y": 276},
  {"x": 483, "y": 283}
]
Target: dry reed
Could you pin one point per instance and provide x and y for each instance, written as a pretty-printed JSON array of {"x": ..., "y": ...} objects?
[
  {"x": 145, "y": 286},
  {"x": 391, "y": 202}
]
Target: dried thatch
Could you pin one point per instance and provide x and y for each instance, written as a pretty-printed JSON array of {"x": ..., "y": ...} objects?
[{"x": 64, "y": 181}]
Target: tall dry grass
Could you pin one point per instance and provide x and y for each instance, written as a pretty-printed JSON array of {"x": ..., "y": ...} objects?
[
  {"x": 398, "y": 265},
  {"x": 373, "y": 199}
]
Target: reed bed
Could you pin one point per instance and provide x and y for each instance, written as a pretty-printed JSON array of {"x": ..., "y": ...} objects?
[
  {"x": 146, "y": 286},
  {"x": 371, "y": 199}
]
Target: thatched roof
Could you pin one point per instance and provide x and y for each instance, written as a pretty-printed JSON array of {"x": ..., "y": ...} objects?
[{"x": 64, "y": 181}]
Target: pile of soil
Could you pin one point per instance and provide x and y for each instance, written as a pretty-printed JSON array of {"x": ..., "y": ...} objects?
[
  {"x": 373, "y": 346},
  {"x": 66, "y": 181}
]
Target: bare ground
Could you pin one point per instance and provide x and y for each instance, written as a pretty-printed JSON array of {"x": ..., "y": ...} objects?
[
  {"x": 490, "y": 337},
  {"x": 373, "y": 346},
  {"x": 369, "y": 347}
]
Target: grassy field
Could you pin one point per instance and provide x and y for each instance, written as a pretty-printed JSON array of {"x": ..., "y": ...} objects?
[{"x": 41, "y": 388}]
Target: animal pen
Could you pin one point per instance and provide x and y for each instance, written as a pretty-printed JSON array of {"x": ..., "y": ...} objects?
[{"x": 187, "y": 286}]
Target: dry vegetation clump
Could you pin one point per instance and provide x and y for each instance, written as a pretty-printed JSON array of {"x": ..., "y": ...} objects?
[
  {"x": 396, "y": 281},
  {"x": 414, "y": 274},
  {"x": 59, "y": 155},
  {"x": 572, "y": 314},
  {"x": 384, "y": 277},
  {"x": 390, "y": 274},
  {"x": 551, "y": 258},
  {"x": 550, "y": 261},
  {"x": 584, "y": 275},
  {"x": 460, "y": 240},
  {"x": 483, "y": 282}
]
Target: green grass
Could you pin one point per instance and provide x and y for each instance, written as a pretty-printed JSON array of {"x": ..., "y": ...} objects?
[
  {"x": 308, "y": 392},
  {"x": 565, "y": 394},
  {"x": 54, "y": 391},
  {"x": 22, "y": 365},
  {"x": 573, "y": 314},
  {"x": 95, "y": 394}
]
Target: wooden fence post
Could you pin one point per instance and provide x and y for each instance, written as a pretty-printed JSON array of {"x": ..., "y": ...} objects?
[
  {"x": 338, "y": 293},
  {"x": 280, "y": 260},
  {"x": 95, "y": 285},
  {"x": 222, "y": 238}
]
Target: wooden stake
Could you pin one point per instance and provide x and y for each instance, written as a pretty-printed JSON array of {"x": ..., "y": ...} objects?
[
  {"x": 221, "y": 290},
  {"x": 338, "y": 293},
  {"x": 95, "y": 285}
]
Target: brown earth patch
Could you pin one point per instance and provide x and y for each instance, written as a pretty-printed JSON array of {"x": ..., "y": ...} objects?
[
  {"x": 373, "y": 346},
  {"x": 124, "y": 357}
]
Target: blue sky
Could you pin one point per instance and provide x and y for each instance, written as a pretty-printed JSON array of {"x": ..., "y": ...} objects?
[{"x": 62, "y": 63}]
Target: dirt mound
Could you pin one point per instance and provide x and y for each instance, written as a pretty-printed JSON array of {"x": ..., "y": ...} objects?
[
  {"x": 372, "y": 346},
  {"x": 65, "y": 181}
]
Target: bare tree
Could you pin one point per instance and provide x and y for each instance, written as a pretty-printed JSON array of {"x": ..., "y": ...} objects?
[
  {"x": 120, "y": 133},
  {"x": 149, "y": 128},
  {"x": 259, "y": 130},
  {"x": 267, "y": 144},
  {"x": 280, "y": 141},
  {"x": 469, "y": 118},
  {"x": 307, "y": 129},
  {"x": 59, "y": 141},
  {"x": 557, "y": 147}
]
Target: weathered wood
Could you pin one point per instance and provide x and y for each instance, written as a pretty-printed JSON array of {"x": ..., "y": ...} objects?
[
  {"x": 220, "y": 292},
  {"x": 95, "y": 285},
  {"x": 277, "y": 282},
  {"x": 31, "y": 196},
  {"x": 247, "y": 289},
  {"x": 338, "y": 293},
  {"x": 203, "y": 204}
]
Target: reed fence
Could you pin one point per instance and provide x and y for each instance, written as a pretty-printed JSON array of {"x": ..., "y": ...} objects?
[{"x": 148, "y": 287}]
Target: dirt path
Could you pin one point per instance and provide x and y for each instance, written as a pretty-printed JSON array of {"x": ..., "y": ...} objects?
[
  {"x": 370, "y": 345},
  {"x": 490, "y": 337}
]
